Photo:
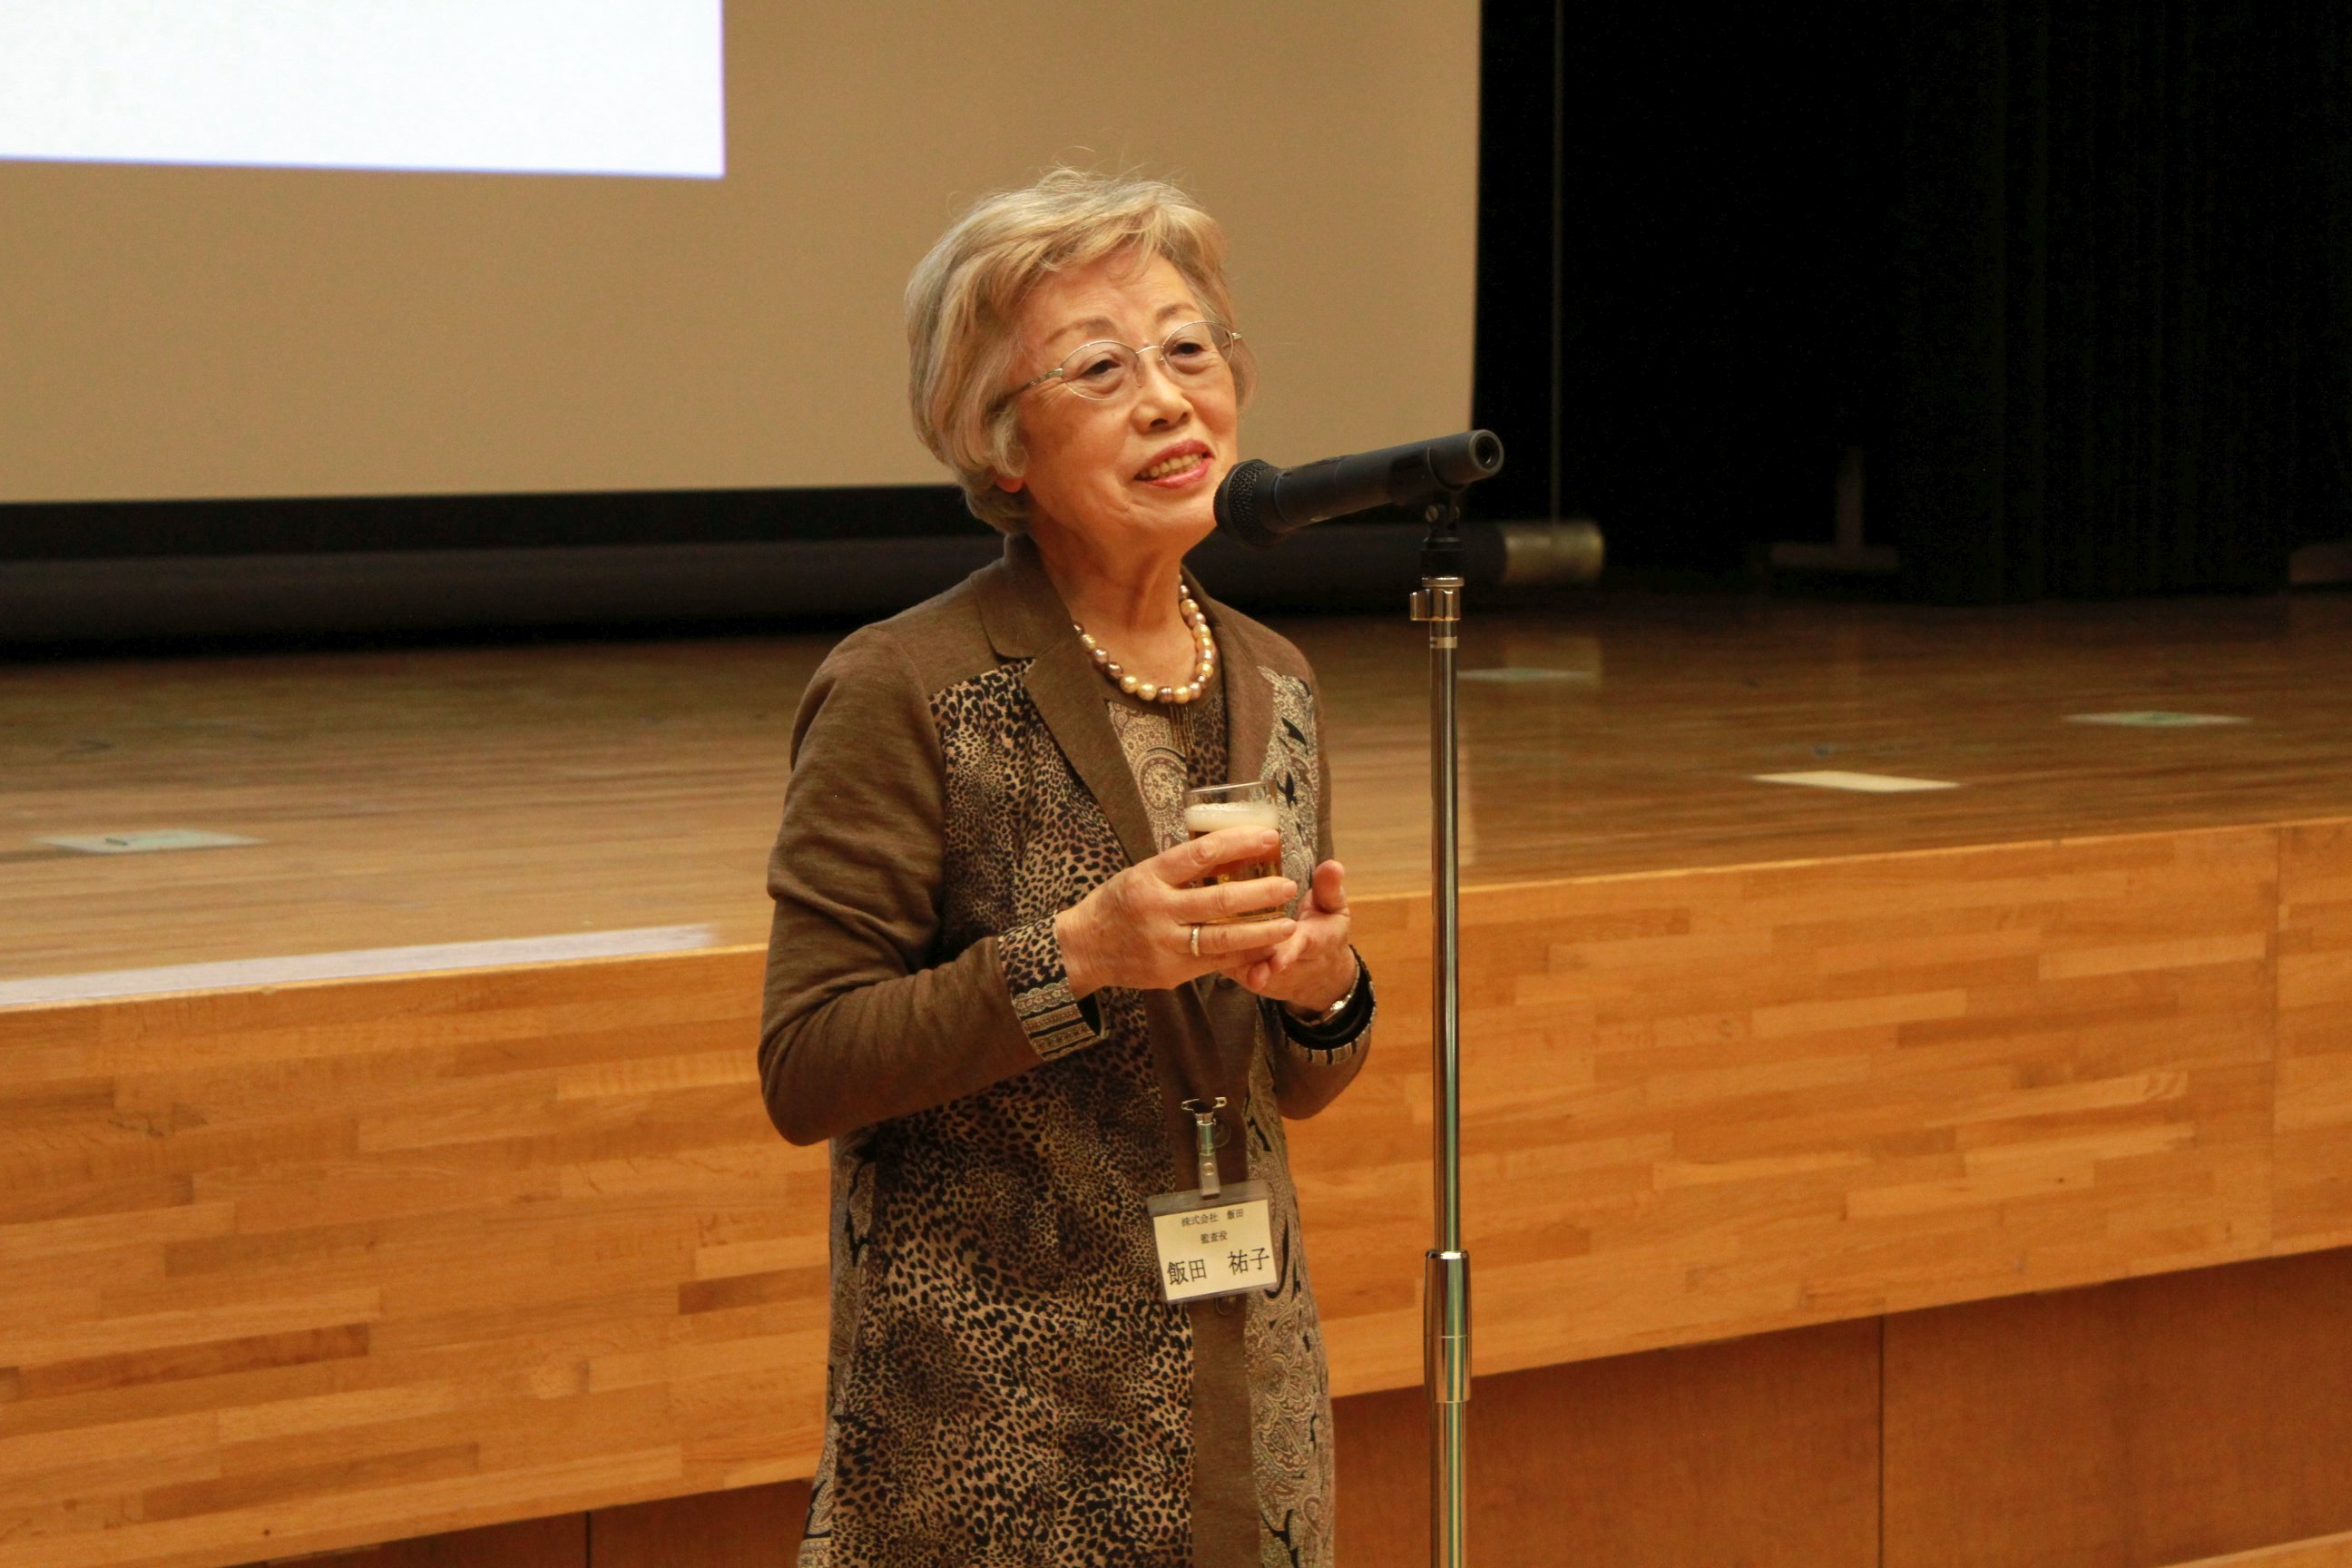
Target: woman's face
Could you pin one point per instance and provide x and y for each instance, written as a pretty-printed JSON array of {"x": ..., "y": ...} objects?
[{"x": 1135, "y": 473}]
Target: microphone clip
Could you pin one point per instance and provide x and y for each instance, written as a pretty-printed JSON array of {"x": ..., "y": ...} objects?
[{"x": 1443, "y": 553}]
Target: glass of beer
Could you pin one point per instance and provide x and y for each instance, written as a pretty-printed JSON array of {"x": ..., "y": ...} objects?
[{"x": 1250, "y": 804}]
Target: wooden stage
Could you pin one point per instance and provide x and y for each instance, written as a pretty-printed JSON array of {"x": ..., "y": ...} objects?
[{"x": 1785, "y": 1106}]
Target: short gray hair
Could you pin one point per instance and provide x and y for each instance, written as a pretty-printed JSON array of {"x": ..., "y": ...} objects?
[{"x": 965, "y": 295}]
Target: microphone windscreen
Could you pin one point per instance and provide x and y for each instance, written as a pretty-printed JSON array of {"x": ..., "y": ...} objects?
[{"x": 1237, "y": 503}]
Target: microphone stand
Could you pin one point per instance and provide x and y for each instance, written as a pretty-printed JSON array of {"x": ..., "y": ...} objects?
[
  {"x": 1445, "y": 1295},
  {"x": 1438, "y": 471}
]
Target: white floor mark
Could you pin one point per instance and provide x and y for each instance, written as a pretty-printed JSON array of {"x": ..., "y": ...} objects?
[
  {"x": 1527, "y": 675},
  {"x": 147, "y": 841},
  {"x": 2156, "y": 718},
  {"x": 1862, "y": 783},
  {"x": 357, "y": 963}
]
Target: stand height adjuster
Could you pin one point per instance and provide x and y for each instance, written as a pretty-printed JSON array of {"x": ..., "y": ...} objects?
[{"x": 1446, "y": 1328}]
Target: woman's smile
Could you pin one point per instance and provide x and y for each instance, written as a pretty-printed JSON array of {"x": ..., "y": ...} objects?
[
  {"x": 1118, "y": 488},
  {"x": 1179, "y": 466}
]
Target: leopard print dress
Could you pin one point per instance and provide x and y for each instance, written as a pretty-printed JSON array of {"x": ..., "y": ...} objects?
[{"x": 1005, "y": 1384}]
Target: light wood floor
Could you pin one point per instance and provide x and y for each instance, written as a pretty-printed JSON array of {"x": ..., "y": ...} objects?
[{"x": 461, "y": 795}]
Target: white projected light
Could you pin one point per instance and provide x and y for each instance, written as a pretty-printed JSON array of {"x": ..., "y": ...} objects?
[{"x": 569, "y": 87}]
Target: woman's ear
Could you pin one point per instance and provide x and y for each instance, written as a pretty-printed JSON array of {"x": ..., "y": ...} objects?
[{"x": 1011, "y": 484}]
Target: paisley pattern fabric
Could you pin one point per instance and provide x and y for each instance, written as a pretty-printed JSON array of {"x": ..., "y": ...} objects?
[
  {"x": 1290, "y": 1404},
  {"x": 1171, "y": 752},
  {"x": 1292, "y": 767},
  {"x": 1291, "y": 1407}
]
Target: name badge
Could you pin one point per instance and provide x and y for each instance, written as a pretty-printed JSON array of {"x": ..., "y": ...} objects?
[{"x": 1219, "y": 1243}]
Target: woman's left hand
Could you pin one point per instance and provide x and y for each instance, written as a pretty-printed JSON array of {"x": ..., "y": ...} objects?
[{"x": 1314, "y": 966}]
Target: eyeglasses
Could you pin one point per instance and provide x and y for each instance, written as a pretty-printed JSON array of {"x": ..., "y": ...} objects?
[{"x": 1104, "y": 369}]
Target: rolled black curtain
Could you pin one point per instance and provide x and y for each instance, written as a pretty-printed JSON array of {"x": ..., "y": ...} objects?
[{"x": 2122, "y": 270}]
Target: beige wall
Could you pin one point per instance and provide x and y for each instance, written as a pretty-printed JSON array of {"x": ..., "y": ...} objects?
[{"x": 217, "y": 332}]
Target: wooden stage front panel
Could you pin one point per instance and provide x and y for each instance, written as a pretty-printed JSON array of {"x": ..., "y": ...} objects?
[
  {"x": 1717, "y": 1102},
  {"x": 2313, "y": 1154},
  {"x": 302, "y": 1269}
]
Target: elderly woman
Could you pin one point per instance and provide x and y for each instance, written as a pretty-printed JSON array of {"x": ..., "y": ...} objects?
[{"x": 1007, "y": 988}]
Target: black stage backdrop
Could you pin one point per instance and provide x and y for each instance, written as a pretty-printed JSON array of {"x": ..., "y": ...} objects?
[
  {"x": 2074, "y": 277},
  {"x": 1682, "y": 220},
  {"x": 2122, "y": 264}
]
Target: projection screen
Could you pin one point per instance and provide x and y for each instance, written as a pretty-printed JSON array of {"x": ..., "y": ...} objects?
[{"x": 177, "y": 321}]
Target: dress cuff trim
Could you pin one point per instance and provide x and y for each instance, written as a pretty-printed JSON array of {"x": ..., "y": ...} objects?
[{"x": 1056, "y": 1022}]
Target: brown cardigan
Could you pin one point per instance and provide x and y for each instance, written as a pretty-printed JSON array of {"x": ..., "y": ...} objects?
[{"x": 1005, "y": 1384}]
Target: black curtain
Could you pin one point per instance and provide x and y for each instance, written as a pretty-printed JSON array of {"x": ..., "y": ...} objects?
[
  {"x": 2077, "y": 278},
  {"x": 1682, "y": 308},
  {"x": 2121, "y": 274}
]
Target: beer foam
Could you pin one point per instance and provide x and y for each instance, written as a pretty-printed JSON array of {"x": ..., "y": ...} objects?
[{"x": 1209, "y": 817}]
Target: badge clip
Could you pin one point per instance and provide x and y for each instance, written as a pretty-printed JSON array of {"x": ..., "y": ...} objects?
[{"x": 1204, "y": 1141}]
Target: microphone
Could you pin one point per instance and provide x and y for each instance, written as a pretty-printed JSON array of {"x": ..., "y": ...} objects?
[{"x": 1260, "y": 505}]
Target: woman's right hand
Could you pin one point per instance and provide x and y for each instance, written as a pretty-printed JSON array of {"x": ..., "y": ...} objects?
[{"x": 1136, "y": 930}]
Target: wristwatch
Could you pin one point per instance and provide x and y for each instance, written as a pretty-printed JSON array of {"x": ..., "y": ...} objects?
[{"x": 1331, "y": 1015}]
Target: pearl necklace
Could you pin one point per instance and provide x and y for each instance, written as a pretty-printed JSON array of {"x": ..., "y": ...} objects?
[{"x": 1203, "y": 667}]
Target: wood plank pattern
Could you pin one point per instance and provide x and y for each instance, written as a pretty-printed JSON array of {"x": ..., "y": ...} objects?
[
  {"x": 2314, "y": 1029},
  {"x": 304, "y": 1269},
  {"x": 1727, "y": 1102}
]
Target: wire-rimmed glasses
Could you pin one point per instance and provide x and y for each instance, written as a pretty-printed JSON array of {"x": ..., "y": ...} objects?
[{"x": 1104, "y": 369}]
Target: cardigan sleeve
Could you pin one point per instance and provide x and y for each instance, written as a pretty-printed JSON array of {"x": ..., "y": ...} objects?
[
  {"x": 1311, "y": 1066},
  {"x": 859, "y": 1024}
]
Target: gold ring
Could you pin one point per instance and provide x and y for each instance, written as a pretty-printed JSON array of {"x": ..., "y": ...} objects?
[{"x": 1196, "y": 941}]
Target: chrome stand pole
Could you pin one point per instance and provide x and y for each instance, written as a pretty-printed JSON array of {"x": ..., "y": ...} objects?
[{"x": 1445, "y": 1300}]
